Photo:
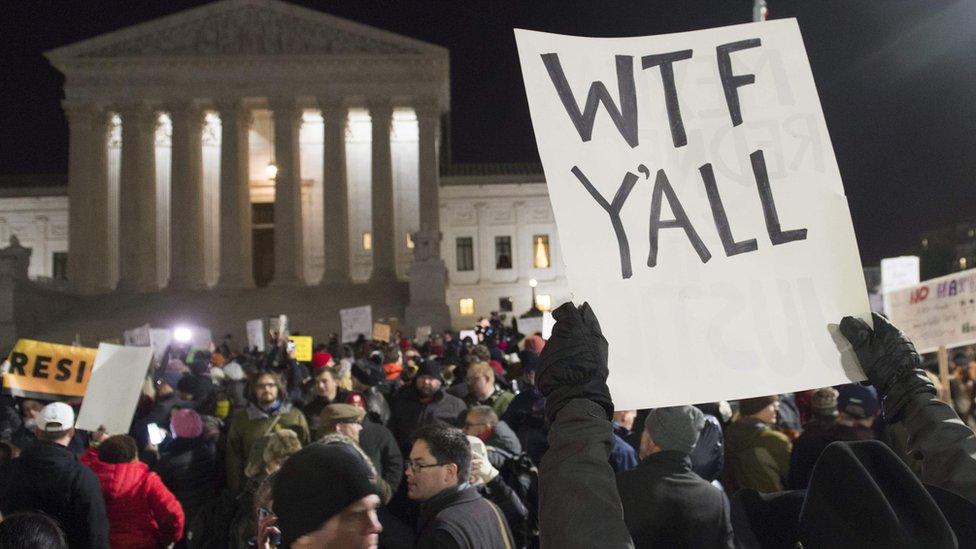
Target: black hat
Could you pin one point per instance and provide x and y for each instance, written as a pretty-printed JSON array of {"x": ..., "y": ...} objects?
[
  {"x": 198, "y": 386},
  {"x": 316, "y": 484},
  {"x": 367, "y": 373},
  {"x": 432, "y": 368},
  {"x": 860, "y": 495},
  {"x": 750, "y": 406}
]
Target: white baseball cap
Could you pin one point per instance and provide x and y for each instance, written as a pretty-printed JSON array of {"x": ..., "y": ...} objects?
[{"x": 56, "y": 416}]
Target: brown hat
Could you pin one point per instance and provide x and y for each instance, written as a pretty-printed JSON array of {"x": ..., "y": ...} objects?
[
  {"x": 750, "y": 406},
  {"x": 823, "y": 402},
  {"x": 333, "y": 414}
]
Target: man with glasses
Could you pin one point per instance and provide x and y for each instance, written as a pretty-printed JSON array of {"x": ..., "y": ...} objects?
[
  {"x": 453, "y": 513},
  {"x": 482, "y": 422}
]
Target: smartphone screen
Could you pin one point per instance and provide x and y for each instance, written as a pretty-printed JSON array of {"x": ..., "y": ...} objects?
[{"x": 156, "y": 435}]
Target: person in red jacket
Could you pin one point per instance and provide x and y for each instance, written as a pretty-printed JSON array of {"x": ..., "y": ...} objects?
[{"x": 142, "y": 512}]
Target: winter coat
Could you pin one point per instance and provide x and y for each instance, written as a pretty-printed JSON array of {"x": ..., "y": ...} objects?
[
  {"x": 946, "y": 444},
  {"x": 526, "y": 415},
  {"x": 188, "y": 467},
  {"x": 499, "y": 401},
  {"x": 459, "y": 517},
  {"x": 667, "y": 505},
  {"x": 313, "y": 409},
  {"x": 708, "y": 456},
  {"x": 622, "y": 456},
  {"x": 252, "y": 423},
  {"x": 377, "y": 408},
  {"x": 48, "y": 477},
  {"x": 378, "y": 443},
  {"x": 142, "y": 512},
  {"x": 409, "y": 412},
  {"x": 508, "y": 502},
  {"x": 502, "y": 438},
  {"x": 756, "y": 456}
]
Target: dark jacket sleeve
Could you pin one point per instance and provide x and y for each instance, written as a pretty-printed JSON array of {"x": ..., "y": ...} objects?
[
  {"x": 89, "y": 505},
  {"x": 438, "y": 539},
  {"x": 508, "y": 502},
  {"x": 579, "y": 504},
  {"x": 392, "y": 460},
  {"x": 946, "y": 446}
]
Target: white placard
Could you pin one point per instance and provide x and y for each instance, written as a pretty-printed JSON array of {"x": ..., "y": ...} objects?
[
  {"x": 137, "y": 337},
  {"x": 255, "y": 334},
  {"x": 897, "y": 273},
  {"x": 530, "y": 325},
  {"x": 159, "y": 339},
  {"x": 547, "y": 323},
  {"x": 356, "y": 321},
  {"x": 114, "y": 387},
  {"x": 700, "y": 209},
  {"x": 937, "y": 312}
]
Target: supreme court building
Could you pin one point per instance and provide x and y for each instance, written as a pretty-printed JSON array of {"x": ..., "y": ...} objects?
[{"x": 258, "y": 157}]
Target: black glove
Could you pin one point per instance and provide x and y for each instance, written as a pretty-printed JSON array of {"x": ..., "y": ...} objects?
[
  {"x": 574, "y": 361},
  {"x": 889, "y": 360}
]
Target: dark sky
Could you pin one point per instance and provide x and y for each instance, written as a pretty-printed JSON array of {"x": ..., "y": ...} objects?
[{"x": 897, "y": 80}]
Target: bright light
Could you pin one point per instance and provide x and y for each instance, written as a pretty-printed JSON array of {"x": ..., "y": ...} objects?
[
  {"x": 466, "y": 306},
  {"x": 533, "y": 283},
  {"x": 182, "y": 334},
  {"x": 271, "y": 172},
  {"x": 543, "y": 302}
]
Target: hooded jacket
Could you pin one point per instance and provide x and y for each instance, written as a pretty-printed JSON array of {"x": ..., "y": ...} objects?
[
  {"x": 48, "y": 477},
  {"x": 142, "y": 512},
  {"x": 409, "y": 412},
  {"x": 756, "y": 456},
  {"x": 188, "y": 467}
]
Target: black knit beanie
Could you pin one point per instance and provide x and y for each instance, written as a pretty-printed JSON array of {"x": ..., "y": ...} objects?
[{"x": 316, "y": 484}]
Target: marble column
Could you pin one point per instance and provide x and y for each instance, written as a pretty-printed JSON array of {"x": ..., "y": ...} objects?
[
  {"x": 428, "y": 274},
  {"x": 236, "y": 270},
  {"x": 99, "y": 234},
  {"x": 384, "y": 237},
  {"x": 137, "y": 200},
  {"x": 80, "y": 214},
  {"x": 336, "y": 191},
  {"x": 186, "y": 199},
  {"x": 288, "y": 248}
]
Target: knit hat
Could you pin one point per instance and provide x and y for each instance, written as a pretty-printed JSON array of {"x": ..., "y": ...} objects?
[
  {"x": 333, "y": 414},
  {"x": 861, "y": 495},
  {"x": 367, "y": 373},
  {"x": 198, "y": 386},
  {"x": 431, "y": 368},
  {"x": 185, "y": 423},
  {"x": 750, "y": 406},
  {"x": 675, "y": 428},
  {"x": 857, "y": 401},
  {"x": 823, "y": 402},
  {"x": 316, "y": 484},
  {"x": 320, "y": 360}
]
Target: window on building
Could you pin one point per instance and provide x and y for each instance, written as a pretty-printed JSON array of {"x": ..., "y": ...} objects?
[
  {"x": 409, "y": 241},
  {"x": 505, "y": 304},
  {"x": 540, "y": 251},
  {"x": 59, "y": 265},
  {"x": 465, "y": 253},
  {"x": 503, "y": 252},
  {"x": 466, "y": 306},
  {"x": 962, "y": 263},
  {"x": 543, "y": 302},
  {"x": 367, "y": 240}
]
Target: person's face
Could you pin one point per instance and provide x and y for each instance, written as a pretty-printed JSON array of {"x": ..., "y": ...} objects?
[
  {"x": 357, "y": 526},
  {"x": 768, "y": 414},
  {"x": 30, "y": 409},
  {"x": 351, "y": 430},
  {"x": 326, "y": 385},
  {"x": 474, "y": 424},
  {"x": 481, "y": 386},
  {"x": 625, "y": 418},
  {"x": 425, "y": 477},
  {"x": 266, "y": 390},
  {"x": 428, "y": 385}
]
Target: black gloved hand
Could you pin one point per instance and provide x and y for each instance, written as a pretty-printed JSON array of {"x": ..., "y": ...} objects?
[
  {"x": 890, "y": 362},
  {"x": 574, "y": 361}
]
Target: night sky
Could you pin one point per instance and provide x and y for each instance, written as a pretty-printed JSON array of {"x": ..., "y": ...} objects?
[{"x": 897, "y": 80}]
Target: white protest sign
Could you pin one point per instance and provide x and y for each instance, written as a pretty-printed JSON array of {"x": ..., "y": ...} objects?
[
  {"x": 531, "y": 325},
  {"x": 422, "y": 334},
  {"x": 897, "y": 273},
  {"x": 700, "y": 209},
  {"x": 937, "y": 312},
  {"x": 114, "y": 388},
  {"x": 255, "y": 334},
  {"x": 159, "y": 339},
  {"x": 137, "y": 337},
  {"x": 547, "y": 323},
  {"x": 356, "y": 321}
]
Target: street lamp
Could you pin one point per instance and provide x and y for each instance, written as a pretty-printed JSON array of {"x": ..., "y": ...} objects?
[{"x": 534, "y": 310}]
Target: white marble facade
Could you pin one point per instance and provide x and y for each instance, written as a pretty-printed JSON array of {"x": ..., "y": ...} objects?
[{"x": 38, "y": 218}]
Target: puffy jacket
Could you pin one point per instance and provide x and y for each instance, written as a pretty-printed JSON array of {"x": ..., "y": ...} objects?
[
  {"x": 48, "y": 477},
  {"x": 756, "y": 457},
  {"x": 188, "y": 467},
  {"x": 142, "y": 512}
]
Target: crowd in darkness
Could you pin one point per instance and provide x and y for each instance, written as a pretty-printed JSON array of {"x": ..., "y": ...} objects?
[{"x": 507, "y": 440}]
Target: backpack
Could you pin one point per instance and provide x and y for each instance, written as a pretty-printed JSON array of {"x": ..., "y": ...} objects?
[{"x": 521, "y": 474}]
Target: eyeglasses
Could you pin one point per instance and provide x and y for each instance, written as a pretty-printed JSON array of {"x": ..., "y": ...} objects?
[{"x": 415, "y": 466}]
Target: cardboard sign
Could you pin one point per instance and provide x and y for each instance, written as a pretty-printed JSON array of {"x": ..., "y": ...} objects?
[
  {"x": 937, "y": 313},
  {"x": 381, "y": 332},
  {"x": 422, "y": 334},
  {"x": 700, "y": 209},
  {"x": 897, "y": 273},
  {"x": 48, "y": 370},
  {"x": 113, "y": 392},
  {"x": 303, "y": 347},
  {"x": 355, "y": 322},
  {"x": 468, "y": 334},
  {"x": 255, "y": 334}
]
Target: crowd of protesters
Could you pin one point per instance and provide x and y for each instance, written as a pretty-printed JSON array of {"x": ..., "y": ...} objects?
[{"x": 508, "y": 441}]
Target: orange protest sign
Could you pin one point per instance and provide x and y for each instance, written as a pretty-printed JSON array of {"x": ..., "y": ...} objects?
[{"x": 43, "y": 370}]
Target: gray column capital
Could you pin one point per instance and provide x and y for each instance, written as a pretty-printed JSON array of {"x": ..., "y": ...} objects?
[
  {"x": 286, "y": 109},
  {"x": 426, "y": 109},
  {"x": 186, "y": 112},
  {"x": 333, "y": 109}
]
